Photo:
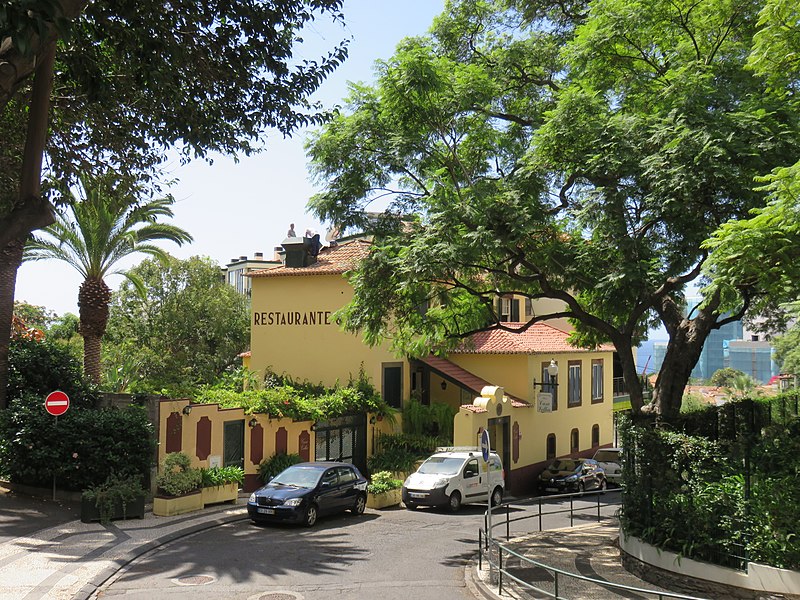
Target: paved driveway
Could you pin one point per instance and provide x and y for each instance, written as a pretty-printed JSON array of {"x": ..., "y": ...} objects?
[{"x": 391, "y": 554}]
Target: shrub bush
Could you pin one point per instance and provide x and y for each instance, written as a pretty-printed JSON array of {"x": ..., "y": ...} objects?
[
  {"x": 276, "y": 463},
  {"x": 383, "y": 481},
  {"x": 113, "y": 491},
  {"x": 401, "y": 452},
  {"x": 217, "y": 476},
  {"x": 80, "y": 447},
  {"x": 177, "y": 476}
]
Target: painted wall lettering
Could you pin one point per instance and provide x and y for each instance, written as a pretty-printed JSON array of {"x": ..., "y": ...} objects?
[{"x": 312, "y": 317}]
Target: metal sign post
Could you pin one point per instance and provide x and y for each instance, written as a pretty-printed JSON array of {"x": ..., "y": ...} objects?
[
  {"x": 56, "y": 403},
  {"x": 486, "y": 449}
]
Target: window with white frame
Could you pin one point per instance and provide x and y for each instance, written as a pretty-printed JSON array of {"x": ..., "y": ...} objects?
[
  {"x": 574, "y": 384},
  {"x": 597, "y": 380}
]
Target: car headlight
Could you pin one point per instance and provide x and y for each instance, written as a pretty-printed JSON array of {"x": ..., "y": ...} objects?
[
  {"x": 252, "y": 498},
  {"x": 293, "y": 502},
  {"x": 572, "y": 478},
  {"x": 441, "y": 482}
]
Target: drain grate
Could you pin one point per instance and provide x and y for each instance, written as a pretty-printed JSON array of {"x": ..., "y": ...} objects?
[
  {"x": 278, "y": 596},
  {"x": 195, "y": 580}
]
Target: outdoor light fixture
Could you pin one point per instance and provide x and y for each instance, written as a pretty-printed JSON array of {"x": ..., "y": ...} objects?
[
  {"x": 552, "y": 369},
  {"x": 187, "y": 409},
  {"x": 253, "y": 422},
  {"x": 444, "y": 385}
]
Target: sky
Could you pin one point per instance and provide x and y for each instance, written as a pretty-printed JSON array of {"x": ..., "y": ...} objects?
[{"x": 237, "y": 209}]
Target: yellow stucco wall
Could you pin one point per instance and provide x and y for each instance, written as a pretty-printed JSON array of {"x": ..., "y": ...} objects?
[{"x": 321, "y": 352}]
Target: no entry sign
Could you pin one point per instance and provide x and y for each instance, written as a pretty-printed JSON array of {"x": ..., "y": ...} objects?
[{"x": 56, "y": 403}]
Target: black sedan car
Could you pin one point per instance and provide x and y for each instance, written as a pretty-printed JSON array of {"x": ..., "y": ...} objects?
[
  {"x": 305, "y": 491},
  {"x": 565, "y": 475}
]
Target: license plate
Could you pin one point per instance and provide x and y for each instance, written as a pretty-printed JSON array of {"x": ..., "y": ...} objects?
[
  {"x": 266, "y": 511},
  {"x": 416, "y": 495},
  {"x": 550, "y": 489}
]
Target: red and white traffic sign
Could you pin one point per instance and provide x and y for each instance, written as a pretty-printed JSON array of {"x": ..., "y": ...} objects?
[{"x": 56, "y": 403}]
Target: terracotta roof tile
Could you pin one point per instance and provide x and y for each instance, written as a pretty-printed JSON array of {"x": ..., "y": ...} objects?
[
  {"x": 465, "y": 378},
  {"x": 540, "y": 338},
  {"x": 330, "y": 261}
]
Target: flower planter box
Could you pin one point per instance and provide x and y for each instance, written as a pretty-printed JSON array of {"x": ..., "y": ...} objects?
[
  {"x": 167, "y": 506},
  {"x": 385, "y": 499},
  {"x": 132, "y": 509},
  {"x": 220, "y": 493}
]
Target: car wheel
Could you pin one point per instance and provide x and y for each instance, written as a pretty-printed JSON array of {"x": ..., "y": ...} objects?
[
  {"x": 310, "y": 516},
  {"x": 455, "y": 501},
  {"x": 360, "y": 505},
  {"x": 497, "y": 496},
  {"x": 581, "y": 488}
]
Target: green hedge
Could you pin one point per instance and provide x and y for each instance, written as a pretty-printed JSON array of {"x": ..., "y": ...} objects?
[
  {"x": 721, "y": 496},
  {"x": 81, "y": 448}
]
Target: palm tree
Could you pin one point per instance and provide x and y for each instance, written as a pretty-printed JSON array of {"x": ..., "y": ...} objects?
[{"x": 93, "y": 234}]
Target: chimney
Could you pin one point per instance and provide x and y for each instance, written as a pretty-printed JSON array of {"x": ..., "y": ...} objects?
[
  {"x": 243, "y": 258},
  {"x": 258, "y": 256},
  {"x": 300, "y": 252},
  {"x": 277, "y": 253}
]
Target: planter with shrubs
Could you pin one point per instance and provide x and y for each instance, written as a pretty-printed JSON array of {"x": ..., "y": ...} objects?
[
  {"x": 220, "y": 484},
  {"x": 384, "y": 490},
  {"x": 178, "y": 487},
  {"x": 116, "y": 498}
]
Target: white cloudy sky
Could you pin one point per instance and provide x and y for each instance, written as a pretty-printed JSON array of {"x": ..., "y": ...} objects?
[{"x": 239, "y": 209}]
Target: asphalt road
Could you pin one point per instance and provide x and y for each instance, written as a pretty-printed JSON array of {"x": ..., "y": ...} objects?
[{"x": 391, "y": 555}]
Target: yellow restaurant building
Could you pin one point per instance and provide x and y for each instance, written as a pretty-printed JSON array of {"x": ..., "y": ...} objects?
[{"x": 502, "y": 383}]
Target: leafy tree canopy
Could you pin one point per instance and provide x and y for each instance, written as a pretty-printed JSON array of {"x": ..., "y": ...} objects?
[
  {"x": 186, "y": 329},
  {"x": 580, "y": 152}
]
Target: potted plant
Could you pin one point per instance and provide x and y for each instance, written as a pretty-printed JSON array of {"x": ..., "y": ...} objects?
[
  {"x": 118, "y": 497},
  {"x": 220, "y": 484},
  {"x": 384, "y": 490},
  {"x": 178, "y": 486}
]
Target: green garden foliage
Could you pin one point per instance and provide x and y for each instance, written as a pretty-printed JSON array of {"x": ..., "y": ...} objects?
[
  {"x": 300, "y": 401},
  {"x": 401, "y": 452},
  {"x": 432, "y": 420},
  {"x": 383, "y": 481},
  {"x": 79, "y": 448},
  {"x": 276, "y": 463},
  {"x": 720, "y": 485},
  {"x": 115, "y": 490},
  {"x": 217, "y": 476},
  {"x": 177, "y": 477},
  {"x": 38, "y": 368}
]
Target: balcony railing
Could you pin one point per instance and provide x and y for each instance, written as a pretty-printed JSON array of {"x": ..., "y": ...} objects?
[{"x": 619, "y": 387}]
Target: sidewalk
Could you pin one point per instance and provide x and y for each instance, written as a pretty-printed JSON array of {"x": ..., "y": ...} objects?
[
  {"x": 70, "y": 560},
  {"x": 589, "y": 550}
]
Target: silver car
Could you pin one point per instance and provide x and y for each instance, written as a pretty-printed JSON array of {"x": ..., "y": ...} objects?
[{"x": 611, "y": 461}]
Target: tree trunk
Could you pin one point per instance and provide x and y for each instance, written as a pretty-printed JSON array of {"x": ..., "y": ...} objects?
[
  {"x": 631, "y": 376},
  {"x": 683, "y": 351},
  {"x": 93, "y": 300},
  {"x": 10, "y": 259}
]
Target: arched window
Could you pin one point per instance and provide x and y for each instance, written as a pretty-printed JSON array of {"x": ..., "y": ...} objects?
[
  {"x": 595, "y": 436},
  {"x": 574, "y": 441},
  {"x": 551, "y": 446}
]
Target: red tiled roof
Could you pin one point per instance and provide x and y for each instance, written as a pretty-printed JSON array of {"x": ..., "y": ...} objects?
[
  {"x": 466, "y": 379},
  {"x": 540, "y": 338},
  {"x": 330, "y": 261}
]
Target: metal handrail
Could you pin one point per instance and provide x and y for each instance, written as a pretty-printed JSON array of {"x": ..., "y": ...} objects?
[
  {"x": 556, "y": 572},
  {"x": 484, "y": 543}
]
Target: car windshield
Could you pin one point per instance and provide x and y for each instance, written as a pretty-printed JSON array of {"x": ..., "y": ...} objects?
[
  {"x": 304, "y": 477},
  {"x": 441, "y": 465},
  {"x": 564, "y": 465},
  {"x": 607, "y": 456}
]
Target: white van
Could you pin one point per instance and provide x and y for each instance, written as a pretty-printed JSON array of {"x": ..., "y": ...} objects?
[{"x": 455, "y": 476}]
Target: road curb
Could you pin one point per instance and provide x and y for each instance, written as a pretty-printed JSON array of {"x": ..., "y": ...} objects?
[{"x": 90, "y": 588}]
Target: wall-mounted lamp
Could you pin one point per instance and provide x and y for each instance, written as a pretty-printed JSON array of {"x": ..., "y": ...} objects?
[
  {"x": 253, "y": 422},
  {"x": 444, "y": 385},
  {"x": 372, "y": 420},
  {"x": 187, "y": 409},
  {"x": 552, "y": 368}
]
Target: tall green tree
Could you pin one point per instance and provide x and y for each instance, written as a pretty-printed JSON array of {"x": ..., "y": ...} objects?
[
  {"x": 96, "y": 231},
  {"x": 115, "y": 84},
  {"x": 186, "y": 330},
  {"x": 578, "y": 151}
]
